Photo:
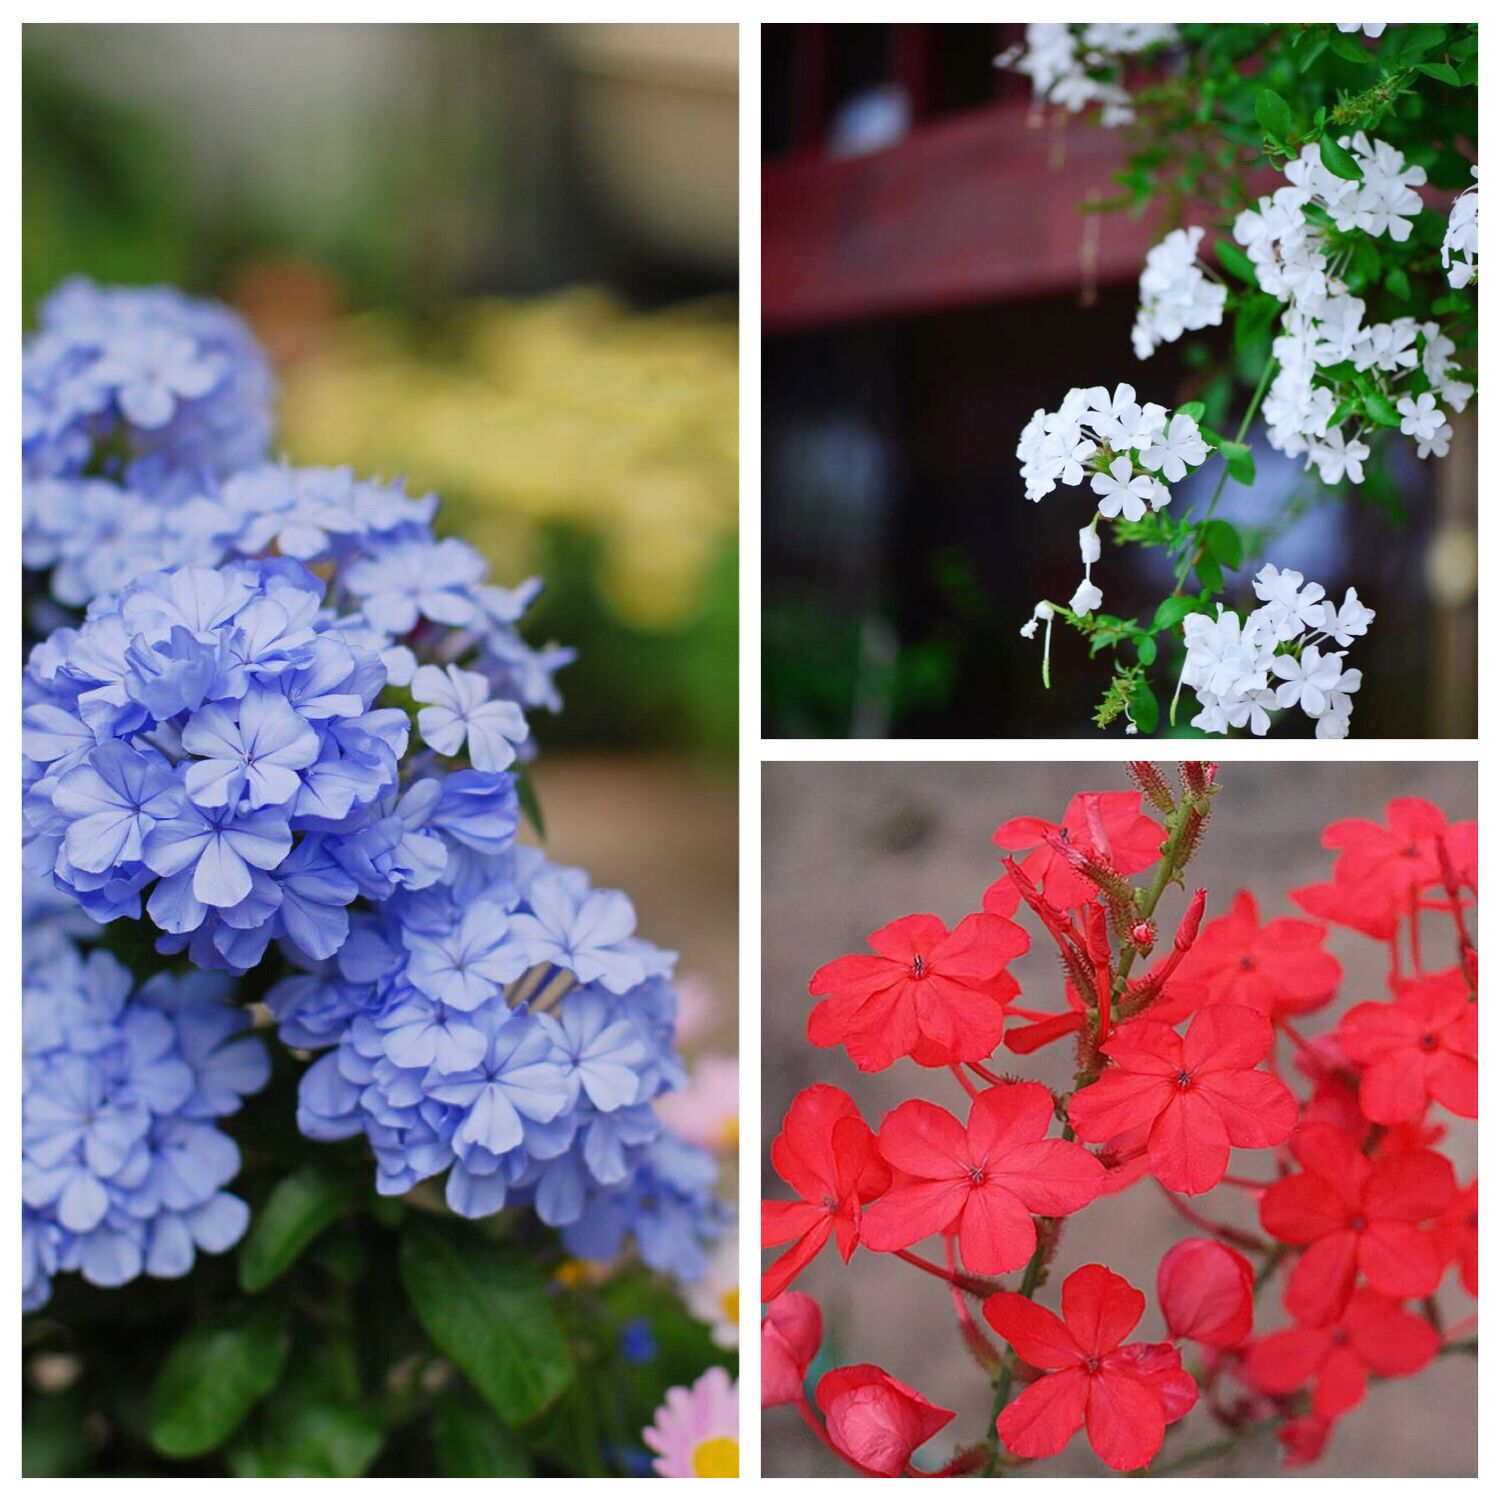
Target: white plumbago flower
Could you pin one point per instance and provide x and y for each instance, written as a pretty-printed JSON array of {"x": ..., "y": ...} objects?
[
  {"x": 1225, "y": 657},
  {"x": 1114, "y": 418},
  {"x": 1123, "y": 492},
  {"x": 1088, "y": 546},
  {"x": 1349, "y": 620},
  {"x": 1387, "y": 200},
  {"x": 1309, "y": 680},
  {"x": 1436, "y": 443},
  {"x": 1075, "y": 66},
  {"x": 1370, "y": 28},
  {"x": 1461, "y": 238},
  {"x": 1176, "y": 297},
  {"x": 1042, "y": 611},
  {"x": 1388, "y": 346},
  {"x": 1421, "y": 418},
  {"x": 1291, "y": 605},
  {"x": 1177, "y": 448},
  {"x": 1338, "y": 457},
  {"x": 1086, "y": 598},
  {"x": 1334, "y": 723}
]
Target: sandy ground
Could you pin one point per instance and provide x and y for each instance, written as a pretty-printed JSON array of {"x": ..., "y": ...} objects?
[{"x": 848, "y": 847}]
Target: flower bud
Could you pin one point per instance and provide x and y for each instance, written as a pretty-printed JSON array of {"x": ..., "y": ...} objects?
[
  {"x": 1206, "y": 1292},
  {"x": 790, "y": 1334},
  {"x": 875, "y": 1420}
]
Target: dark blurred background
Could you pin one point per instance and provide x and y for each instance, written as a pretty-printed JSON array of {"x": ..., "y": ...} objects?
[
  {"x": 849, "y": 847},
  {"x": 929, "y": 281}
]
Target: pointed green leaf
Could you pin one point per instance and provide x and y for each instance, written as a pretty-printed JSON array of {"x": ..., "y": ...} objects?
[
  {"x": 1273, "y": 113},
  {"x": 1235, "y": 261},
  {"x": 299, "y": 1209},
  {"x": 1143, "y": 707},
  {"x": 211, "y": 1378},
  {"x": 1338, "y": 161},
  {"x": 1442, "y": 72},
  {"x": 1222, "y": 543},
  {"x": 1173, "y": 610},
  {"x": 486, "y": 1307}
]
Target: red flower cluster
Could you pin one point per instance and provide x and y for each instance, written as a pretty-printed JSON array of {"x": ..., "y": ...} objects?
[{"x": 1175, "y": 1068}]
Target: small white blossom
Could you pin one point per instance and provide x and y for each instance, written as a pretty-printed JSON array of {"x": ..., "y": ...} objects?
[
  {"x": 1121, "y": 491},
  {"x": 1420, "y": 418},
  {"x": 1308, "y": 680},
  {"x": 1176, "y": 449}
]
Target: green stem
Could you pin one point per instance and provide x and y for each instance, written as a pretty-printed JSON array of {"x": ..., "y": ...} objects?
[
  {"x": 1188, "y": 560},
  {"x": 1029, "y": 1279},
  {"x": 1166, "y": 871}
]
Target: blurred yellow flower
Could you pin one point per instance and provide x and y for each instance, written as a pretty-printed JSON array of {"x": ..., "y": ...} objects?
[{"x": 570, "y": 410}]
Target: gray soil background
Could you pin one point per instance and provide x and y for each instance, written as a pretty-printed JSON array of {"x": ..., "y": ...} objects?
[{"x": 850, "y": 846}]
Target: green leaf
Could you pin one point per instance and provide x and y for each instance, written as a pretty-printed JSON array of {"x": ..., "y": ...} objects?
[
  {"x": 1310, "y": 47},
  {"x": 1210, "y": 574},
  {"x": 1222, "y": 543},
  {"x": 471, "y": 1442},
  {"x": 1350, "y": 48},
  {"x": 530, "y": 803},
  {"x": 1172, "y": 611},
  {"x": 1143, "y": 707},
  {"x": 211, "y": 1378},
  {"x": 1193, "y": 409},
  {"x": 1398, "y": 284},
  {"x": 298, "y": 1439},
  {"x": 1380, "y": 408},
  {"x": 1235, "y": 261},
  {"x": 1338, "y": 161},
  {"x": 1442, "y": 72},
  {"x": 1240, "y": 462},
  {"x": 1145, "y": 649},
  {"x": 1274, "y": 114},
  {"x": 486, "y": 1307},
  {"x": 298, "y": 1210},
  {"x": 1417, "y": 41}
]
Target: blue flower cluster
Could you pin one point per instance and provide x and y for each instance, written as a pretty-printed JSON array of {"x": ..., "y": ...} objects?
[
  {"x": 122, "y": 1169},
  {"x": 157, "y": 387},
  {"x": 288, "y": 715},
  {"x": 510, "y": 1030}
]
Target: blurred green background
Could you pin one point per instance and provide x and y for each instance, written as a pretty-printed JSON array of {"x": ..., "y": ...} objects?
[{"x": 497, "y": 260}]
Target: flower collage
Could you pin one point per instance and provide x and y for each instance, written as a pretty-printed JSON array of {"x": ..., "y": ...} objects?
[{"x": 600, "y": 603}]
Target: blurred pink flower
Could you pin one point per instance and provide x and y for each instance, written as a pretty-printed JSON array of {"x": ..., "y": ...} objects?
[
  {"x": 707, "y": 1111},
  {"x": 697, "y": 1429}
]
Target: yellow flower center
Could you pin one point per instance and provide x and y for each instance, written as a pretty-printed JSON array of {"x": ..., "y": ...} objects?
[
  {"x": 730, "y": 1303},
  {"x": 717, "y": 1458},
  {"x": 729, "y": 1133}
]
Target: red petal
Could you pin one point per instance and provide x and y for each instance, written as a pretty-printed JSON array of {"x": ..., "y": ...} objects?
[
  {"x": 927, "y": 1141},
  {"x": 910, "y": 1212},
  {"x": 780, "y": 1274},
  {"x": 902, "y": 940},
  {"x": 1393, "y": 1089},
  {"x": 1008, "y": 1115},
  {"x": 1049, "y": 1177},
  {"x": 1100, "y": 1309},
  {"x": 1189, "y": 1145},
  {"x": 1400, "y": 1259},
  {"x": 1319, "y": 1286},
  {"x": 1206, "y": 1292},
  {"x": 995, "y": 1233},
  {"x": 1039, "y": 1422},
  {"x": 1023, "y": 833},
  {"x": 1126, "y": 1420},
  {"x": 1119, "y": 1101},
  {"x": 1415, "y": 1185},
  {"x": 1285, "y": 1361},
  {"x": 1226, "y": 1036},
  {"x": 781, "y": 1222},
  {"x": 1300, "y": 1209},
  {"x": 1341, "y": 1384},
  {"x": 1389, "y": 1339},
  {"x": 1454, "y": 1083},
  {"x": 1038, "y": 1336},
  {"x": 1329, "y": 1153},
  {"x": 1147, "y": 1047},
  {"x": 1257, "y": 1110},
  {"x": 1024, "y": 1040},
  {"x": 790, "y": 1333},
  {"x": 803, "y": 1153}
]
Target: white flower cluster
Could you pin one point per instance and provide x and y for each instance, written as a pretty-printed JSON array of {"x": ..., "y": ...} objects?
[
  {"x": 1231, "y": 664},
  {"x": 1127, "y": 450},
  {"x": 1370, "y": 28},
  {"x": 1079, "y": 65},
  {"x": 1461, "y": 239},
  {"x": 1324, "y": 323},
  {"x": 1176, "y": 297}
]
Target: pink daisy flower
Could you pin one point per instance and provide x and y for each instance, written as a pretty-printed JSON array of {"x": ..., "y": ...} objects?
[
  {"x": 707, "y": 1111},
  {"x": 697, "y": 1429}
]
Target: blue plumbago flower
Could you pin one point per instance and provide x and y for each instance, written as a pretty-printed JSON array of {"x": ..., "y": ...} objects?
[
  {"x": 221, "y": 743},
  {"x": 122, "y": 1169},
  {"x": 176, "y": 385}
]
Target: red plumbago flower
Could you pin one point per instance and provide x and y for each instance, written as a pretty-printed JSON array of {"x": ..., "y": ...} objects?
[
  {"x": 790, "y": 1333},
  {"x": 1199, "y": 1093},
  {"x": 875, "y": 1420},
  {"x": 1206, "y": 1292},
  {"x": 826, "y": 1154},
  {"x": 1374, "y": 1334},
  {"x": 1422, "y": 1046},
  {"x": 936, "y": 996},
  {"x": 1395, "y": 858},
  {"x": 1356, "y": 1215},
  {"x": 1458, "y": 1236},
  {"x": 1279, "y": 968},
  {"x": 1110, "y": 824},
  {"x": 986, "y": 1180},
  {"x": 1120, "y": 1395},
  {"x": 1303, "y": 1440}
]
